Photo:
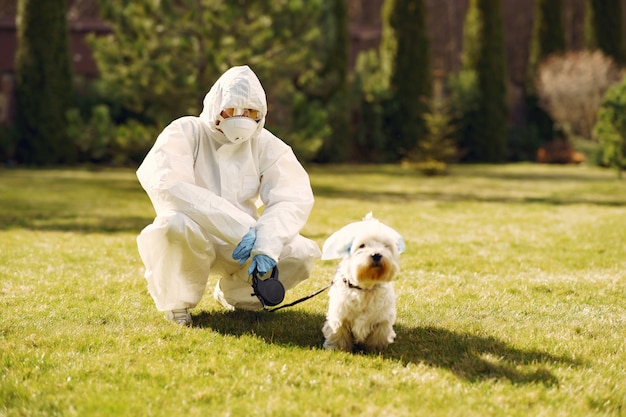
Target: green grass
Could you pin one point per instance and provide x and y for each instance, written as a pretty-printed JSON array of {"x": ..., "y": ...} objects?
[{"x": 512, "y": 302}]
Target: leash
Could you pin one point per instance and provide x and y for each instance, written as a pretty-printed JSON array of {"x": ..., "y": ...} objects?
[
  {"x": 298, "y": 301},
  {"x": 271, "y": 292}
]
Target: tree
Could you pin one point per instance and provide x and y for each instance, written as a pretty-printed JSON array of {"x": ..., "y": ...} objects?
[
  {"x": 405, "y": 51},
  {"x": 571, "y": 87},
  {"x": 43, "y": 83},
  {"x": 483, "y": 53},
  {"x": 163, "y": 56},
  {"x": 548, "y": 37},
  {"x": 604, "y": 28},
  {"x": 327, "y": 87},
  {"x": 611, "y": 127}
]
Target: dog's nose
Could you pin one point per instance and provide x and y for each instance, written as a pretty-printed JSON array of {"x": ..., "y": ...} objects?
[{"x": 376, "y": 257}]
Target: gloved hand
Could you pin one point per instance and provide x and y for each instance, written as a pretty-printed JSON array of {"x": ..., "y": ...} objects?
[
  {"x": 243, "y": 249},
  {"x": 262, "y": 263}
]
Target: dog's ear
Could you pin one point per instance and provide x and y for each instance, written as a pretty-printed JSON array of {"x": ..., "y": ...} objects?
[
  {"x": 339, "y": 243},
  {"x": 400, "y": 243}
]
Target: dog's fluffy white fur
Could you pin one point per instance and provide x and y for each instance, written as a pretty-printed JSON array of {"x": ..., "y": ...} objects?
[{"x": 362, "y": 301}]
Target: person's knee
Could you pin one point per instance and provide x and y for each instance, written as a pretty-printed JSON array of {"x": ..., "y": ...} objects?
[{"x": 174, "y": 225}]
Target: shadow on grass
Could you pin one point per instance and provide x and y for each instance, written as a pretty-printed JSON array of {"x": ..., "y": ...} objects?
[
  {"x": 70, "y": 222},
  {"x": 285, "y": 327},
  {"x": 474, "y": 357},
  {"x": 469, "y": 356},
  {"x": 455, "y": 197}
]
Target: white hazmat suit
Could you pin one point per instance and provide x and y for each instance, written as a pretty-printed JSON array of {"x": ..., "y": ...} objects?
[{"x": 206, "y": 192}]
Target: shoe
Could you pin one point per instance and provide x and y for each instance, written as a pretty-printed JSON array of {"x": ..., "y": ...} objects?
[{"x": 180, "y": 316}]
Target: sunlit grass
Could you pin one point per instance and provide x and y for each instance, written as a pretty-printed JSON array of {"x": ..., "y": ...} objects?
[{"x": 511, "y": 302}]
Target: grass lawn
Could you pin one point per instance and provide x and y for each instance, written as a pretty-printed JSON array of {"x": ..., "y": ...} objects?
[{"x": 512, "y": 302}]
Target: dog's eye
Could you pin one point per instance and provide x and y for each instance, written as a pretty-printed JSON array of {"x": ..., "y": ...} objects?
[{"x": 362, "y": 245}]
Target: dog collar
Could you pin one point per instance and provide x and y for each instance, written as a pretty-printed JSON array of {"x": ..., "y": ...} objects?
[
  {"x": 348, "y": 283},
  {"x": 351, "y": 285}
]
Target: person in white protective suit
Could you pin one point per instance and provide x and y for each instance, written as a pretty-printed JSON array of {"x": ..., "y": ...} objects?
[{"x": 207, "y": 177}]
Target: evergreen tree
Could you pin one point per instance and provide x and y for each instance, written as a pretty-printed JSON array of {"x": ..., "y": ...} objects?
[
  {"x": 611, "y": 127},
  {"x": 164, "y": 55},
  {"x": 43, "y": 83},
  {"x": 484, "y": 54},
  {"x": 328, "y": 86},
  {"x": 548, "y": 37},
  {"x": 604, "y": 28},
  {"x": 406, "y": 54}
]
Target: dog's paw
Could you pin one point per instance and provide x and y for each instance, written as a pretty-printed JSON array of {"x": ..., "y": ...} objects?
[
  {"x": 344, "y": 346},
  {"x": 381, "y": 336},
  {"x": 339, "y": 339}
]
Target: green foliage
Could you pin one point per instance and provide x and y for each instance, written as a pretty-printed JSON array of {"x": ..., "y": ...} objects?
[
  {"x": 486, "y": 136},
  {"x": 131, "y": 142},
  {"x": 369, "y": 95},
  {"x": 392, "y": 86},
  {"x": 491, "y": 74},
  {"x": 611, "y": 127},
  {"x": 591, "y": 149},
  {"x": 163, "y": 55},
  {"x": 405, "y": 48},
  {"x": 548, "y": 37},
  {"x": 472, "y": 28},
  {"x": 604, "y": 28},
  {"x": 463, "y": 98},
  {"x": 43, "y": 83},
  {"x": 100, "y": 141},
  {"x": 93, "y": 136},
  {"x": 326, "y": 86},
  {"x": 437, "y": 148},
  {"x": 309, "y": 126}
]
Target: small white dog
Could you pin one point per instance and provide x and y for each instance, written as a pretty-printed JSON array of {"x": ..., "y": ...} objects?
[{"x": 362, "y": 301}]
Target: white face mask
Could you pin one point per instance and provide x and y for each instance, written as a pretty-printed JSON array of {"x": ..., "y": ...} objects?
[{"x": 238, "y": 129}]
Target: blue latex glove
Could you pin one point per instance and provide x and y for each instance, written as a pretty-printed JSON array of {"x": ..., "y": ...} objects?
[
  {"x": 262, "y": 263},
  {"x": 243, "y": 249}
]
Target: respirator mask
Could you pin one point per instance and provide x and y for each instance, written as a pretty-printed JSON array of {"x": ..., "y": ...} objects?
[{"x": 237, "y": 124}]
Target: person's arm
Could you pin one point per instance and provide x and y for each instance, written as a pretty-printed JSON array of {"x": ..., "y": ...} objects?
[
  {"x": 167, "y": 175},
  {"x": 286, "y": 192}
]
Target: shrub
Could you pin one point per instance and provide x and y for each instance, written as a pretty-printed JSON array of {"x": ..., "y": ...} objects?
[
  {"x": 369, "y": 94},
  {"x": 92, "y": 137},
  {"x": 611, "y": 127},
  {"x": 570, "y": 88},
  {"x": 132, "y": 142},
  {"x": 437, "y": 148},
  {"x": 463, "y": 99},
  {"x": 99, "y": 140}
]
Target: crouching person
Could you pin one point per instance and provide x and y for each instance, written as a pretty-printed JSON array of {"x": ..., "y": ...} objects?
[{"x": 206, "y": 177}]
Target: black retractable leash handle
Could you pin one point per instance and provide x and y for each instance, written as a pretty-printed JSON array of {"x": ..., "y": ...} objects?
[{"x": 271, "y": 291}]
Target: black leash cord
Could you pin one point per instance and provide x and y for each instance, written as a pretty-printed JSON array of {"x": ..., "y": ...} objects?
[{"x": 298, "y": 301}]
